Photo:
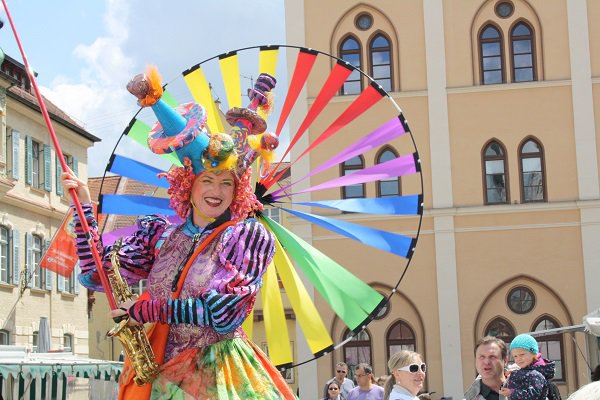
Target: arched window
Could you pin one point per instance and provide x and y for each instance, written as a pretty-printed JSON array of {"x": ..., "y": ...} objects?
[
  {"x": 4, "y": 254},
  {"x": 392, "y": 186},
  {"x": 551, "y": 346},
  {"x": 500, "y": 328},
  {"x": 495, "y": 178},
  {"x": 380, "y": 52},
  {"x": 4, "y": 337},
  {"x": 531, "y": 163},
  {"x": 351, "y": 53},
  {"x": 521, "y": 40},
  {"x": 348, "y": 167},
  {"x": 400, "y": 336},
  {"x": 491, "y": 62},
  {"x": 357, "y": 350}
]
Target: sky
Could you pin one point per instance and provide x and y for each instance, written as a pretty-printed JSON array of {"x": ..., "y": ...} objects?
[{"x": 85, "y": 52}]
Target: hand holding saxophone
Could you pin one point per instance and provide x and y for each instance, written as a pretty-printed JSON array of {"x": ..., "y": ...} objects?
[{"x": 123, "y": 311}]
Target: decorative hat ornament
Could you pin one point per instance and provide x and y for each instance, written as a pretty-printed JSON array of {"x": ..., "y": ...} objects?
[
  {"x": 183, "y": 129},
  {"x": 248, "y": 126}
]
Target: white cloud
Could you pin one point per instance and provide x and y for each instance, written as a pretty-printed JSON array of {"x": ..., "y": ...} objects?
[
  {"x": 174, "y": 36},
  {"x": 98, "y": 99}
]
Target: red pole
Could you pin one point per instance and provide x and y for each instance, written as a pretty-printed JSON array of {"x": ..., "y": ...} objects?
[{"x": 63, "y": 164}]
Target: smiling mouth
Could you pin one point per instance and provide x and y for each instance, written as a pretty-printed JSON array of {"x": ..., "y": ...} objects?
[{"x": 213, "y": 202}]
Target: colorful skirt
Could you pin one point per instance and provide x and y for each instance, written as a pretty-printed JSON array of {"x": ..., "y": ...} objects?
[{"x": 229, "y": 369}]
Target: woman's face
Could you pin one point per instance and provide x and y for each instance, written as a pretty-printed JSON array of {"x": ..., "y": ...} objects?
[
  {"x": 413, "y": 382},
  {"x": 213, "y": 193},
  {"x": 333, "y": 390}
]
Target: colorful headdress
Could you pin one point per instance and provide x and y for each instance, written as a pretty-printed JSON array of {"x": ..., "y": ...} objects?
[{"x": 182, "y": 130}]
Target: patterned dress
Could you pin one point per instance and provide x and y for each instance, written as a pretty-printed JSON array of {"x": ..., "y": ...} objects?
[
  {"x": 208, "y": 356},
  {"x": 531, "y": 382}
]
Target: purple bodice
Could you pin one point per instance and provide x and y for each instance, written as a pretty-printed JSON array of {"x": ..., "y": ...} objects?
[{"x": 172, "y": 254}]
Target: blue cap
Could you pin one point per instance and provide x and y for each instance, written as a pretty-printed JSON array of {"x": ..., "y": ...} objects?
[{"x": 525, "y": 341}]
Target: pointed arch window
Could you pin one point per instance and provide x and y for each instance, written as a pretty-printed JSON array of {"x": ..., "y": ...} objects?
[
  {"x": 531, "y": 163},
  {"x": 500, "y": 328},
  {"x": 551, "y": 346},
  {"x": 491, "y": 62},
  {"x": 391, "y": 186},
  {"x": 357, "y": 350},
  {"x": 400, "y": 336},
  {"x": 496, "y": 180},
  {"x": 348, "y": 167},
  {"x": 380, "y": 52},
  {"x": 521, "y": 47},
  {"x": 350, "y": 51}
]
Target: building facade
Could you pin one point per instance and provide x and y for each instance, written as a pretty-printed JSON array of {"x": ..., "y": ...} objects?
[
  {"x": 502, "y": 98},
  {"x": 32, "y": 207}
]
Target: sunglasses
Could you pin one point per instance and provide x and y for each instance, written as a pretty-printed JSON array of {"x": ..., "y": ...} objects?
[
  {"x": 334, "y": 388},
  {"x": 414, "y": 368},
  {"x": 340, "y": 371}
]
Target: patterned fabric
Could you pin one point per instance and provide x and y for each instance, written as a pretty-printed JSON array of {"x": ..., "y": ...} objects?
[
  {"x": 227, "y": 305},
  {"x": 531, "y": 382},
  {"x": 207, "y": 353},
  {"x": 136, "y": 255},
  {"x": 229, "y": 369}
]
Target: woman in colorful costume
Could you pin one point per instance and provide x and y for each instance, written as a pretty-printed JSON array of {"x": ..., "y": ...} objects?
[{"x": 207, "y": 355}]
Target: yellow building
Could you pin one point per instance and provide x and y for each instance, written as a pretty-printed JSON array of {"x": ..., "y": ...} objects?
[
  {"x": 502, "y": 99},
  {"x": 32, "y": 207}
]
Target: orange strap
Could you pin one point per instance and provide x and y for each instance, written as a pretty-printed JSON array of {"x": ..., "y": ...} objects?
[
  {"x": 200, "y": 247},
  {"x": 159, "y": 333}
]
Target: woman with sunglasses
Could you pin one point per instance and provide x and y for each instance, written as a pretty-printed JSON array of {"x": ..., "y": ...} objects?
[
  {"x": 333, "y": 391},
  {"x": 407, "y": 376}
]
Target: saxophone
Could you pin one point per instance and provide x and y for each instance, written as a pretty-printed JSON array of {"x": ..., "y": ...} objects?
[{"x": 133, "y": 338}]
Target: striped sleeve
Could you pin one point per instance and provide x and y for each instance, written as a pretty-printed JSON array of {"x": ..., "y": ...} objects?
[
  {"x": 248, "y": 250},
  {"x": 136, "y": 254}
]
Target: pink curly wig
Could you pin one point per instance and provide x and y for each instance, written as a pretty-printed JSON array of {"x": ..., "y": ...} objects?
[{"x": 182, "y": 179}]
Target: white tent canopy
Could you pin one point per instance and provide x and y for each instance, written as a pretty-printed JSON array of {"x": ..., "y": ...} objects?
[{"x": 26, "y": 375}]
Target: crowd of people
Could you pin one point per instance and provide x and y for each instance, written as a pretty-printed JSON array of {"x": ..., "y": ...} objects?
[{"x": 528, "y": 377}]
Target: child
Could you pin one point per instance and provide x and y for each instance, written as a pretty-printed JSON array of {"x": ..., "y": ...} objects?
[{"x": 530, "y": 382}]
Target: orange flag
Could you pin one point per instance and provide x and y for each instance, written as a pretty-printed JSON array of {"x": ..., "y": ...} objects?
[{"x": 61, "y": 256}]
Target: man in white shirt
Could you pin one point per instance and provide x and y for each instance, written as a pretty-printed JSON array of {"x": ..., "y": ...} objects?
[{"x": 345, "y": 384}]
